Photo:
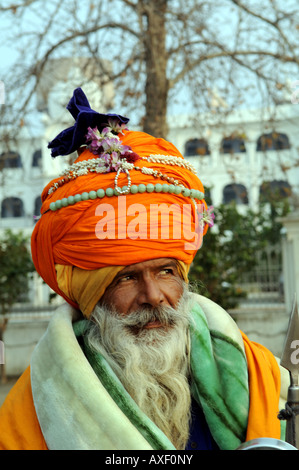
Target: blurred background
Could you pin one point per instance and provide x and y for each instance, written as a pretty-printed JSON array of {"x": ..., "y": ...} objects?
[{"x": 219, "y": 79}]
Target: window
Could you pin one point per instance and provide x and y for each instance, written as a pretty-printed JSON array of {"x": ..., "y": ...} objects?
[
  {"x": 37, "y": 206},
  {"x": 235, "y": 192},
  {"x": 10, "y": 160},
  {"x": 274, "y": 191},
  {"x": 233, "y": 144},
  {"x": 196, "y": 147},
  {"x": 273, "y": 141},
  {"x": 12, "y": 207},
  {"x": 36, "y": 158}
]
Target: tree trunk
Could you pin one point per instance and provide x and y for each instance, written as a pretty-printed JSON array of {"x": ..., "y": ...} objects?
[{"x": 156, "y": 88}]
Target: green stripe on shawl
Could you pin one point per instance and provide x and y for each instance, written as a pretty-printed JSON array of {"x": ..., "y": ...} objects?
[
  {"x": 219, "y": 381},
  {"x": 219, "y": 385}
]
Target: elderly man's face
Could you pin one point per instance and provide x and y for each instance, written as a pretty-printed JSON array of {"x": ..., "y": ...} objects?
[{"x": 153, "y": 283}]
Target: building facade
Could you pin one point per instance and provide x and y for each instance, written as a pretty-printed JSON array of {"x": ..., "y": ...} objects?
[{"x": 239, "y": 158}]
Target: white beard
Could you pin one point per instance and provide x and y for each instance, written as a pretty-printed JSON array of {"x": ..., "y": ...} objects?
[{"x": 152, "y": 364}]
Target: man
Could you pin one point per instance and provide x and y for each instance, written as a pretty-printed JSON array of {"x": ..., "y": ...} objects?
[{"x": 134, "y": 360}]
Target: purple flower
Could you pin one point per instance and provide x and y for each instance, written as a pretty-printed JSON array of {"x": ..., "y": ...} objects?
[
  {"x": 115, "y": 161},
  {"x": 209, "y": 216},
  {"x": 112, "y": 144},
  {"x": 116, "y": 126}
]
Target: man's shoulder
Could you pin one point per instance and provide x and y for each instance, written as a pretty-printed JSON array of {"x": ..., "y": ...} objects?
[{"x": 218, "y": 319}]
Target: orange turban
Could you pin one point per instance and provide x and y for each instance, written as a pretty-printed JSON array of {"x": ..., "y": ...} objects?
[{"x": 86, "y": 224}]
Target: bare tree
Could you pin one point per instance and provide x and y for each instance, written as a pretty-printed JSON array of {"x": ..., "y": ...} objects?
[{"x": 156, "y": 53}]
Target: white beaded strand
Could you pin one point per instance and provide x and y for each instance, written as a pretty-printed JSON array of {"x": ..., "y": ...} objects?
[
  {"x": 128, "y": 187},
  {"x": 170, "y": 160}
]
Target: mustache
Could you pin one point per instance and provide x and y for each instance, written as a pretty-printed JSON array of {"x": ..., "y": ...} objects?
[{"x": 167, "y": 316}]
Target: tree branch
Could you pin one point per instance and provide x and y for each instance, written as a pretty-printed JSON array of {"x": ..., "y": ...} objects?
[
  {"x": 274, "y": 24},
  {"x": 233, "y": 55}
]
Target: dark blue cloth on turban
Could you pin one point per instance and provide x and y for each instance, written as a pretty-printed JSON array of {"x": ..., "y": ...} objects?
[{"x": 72, "y": 138}]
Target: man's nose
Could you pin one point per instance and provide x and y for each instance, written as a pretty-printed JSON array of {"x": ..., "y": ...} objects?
[{"x": 150, "y": 294}]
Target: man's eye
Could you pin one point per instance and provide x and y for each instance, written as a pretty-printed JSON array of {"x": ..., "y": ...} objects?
[
  {"x": 129, "y": 277},
  {"x": 167, "y": 271}
]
